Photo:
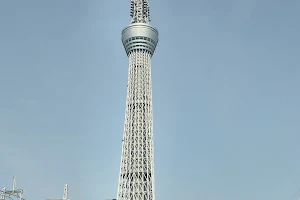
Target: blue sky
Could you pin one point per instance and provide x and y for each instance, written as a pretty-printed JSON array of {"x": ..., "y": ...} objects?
[{"x": 226, "y": 98}]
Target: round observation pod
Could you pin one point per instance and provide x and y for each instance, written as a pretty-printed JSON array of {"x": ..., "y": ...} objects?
[{"x": 139, "y": 36}]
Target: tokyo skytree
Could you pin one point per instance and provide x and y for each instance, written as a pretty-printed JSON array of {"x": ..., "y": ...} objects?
[{"x": 136, "y": 179}]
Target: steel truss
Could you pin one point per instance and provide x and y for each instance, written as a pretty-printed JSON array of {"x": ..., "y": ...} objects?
[
  {"x": 136, "y": 181},
  {"x": 11, "y": 194}
]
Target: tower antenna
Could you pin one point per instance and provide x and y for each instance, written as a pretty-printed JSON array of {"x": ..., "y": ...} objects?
[{"x": 139, "y": 11}]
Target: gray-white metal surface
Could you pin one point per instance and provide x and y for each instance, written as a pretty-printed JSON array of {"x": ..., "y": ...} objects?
[{"x": 139, "y": 36}]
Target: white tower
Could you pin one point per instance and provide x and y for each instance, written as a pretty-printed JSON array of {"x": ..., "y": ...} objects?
[{"x": 136, "y": 180}]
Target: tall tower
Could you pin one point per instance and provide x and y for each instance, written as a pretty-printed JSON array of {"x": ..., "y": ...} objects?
[{"x": 136, "y": 180}]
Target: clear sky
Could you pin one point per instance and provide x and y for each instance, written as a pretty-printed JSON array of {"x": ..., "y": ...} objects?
[{"x": 226, "y": 81}]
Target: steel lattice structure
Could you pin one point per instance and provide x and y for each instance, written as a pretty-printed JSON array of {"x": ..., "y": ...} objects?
[
  {"x": 12, "y": 194},
  {"x": 136, "y": 180}
]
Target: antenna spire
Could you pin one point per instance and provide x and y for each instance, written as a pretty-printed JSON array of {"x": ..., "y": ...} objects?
[
  {"x": 139, "y": 11},
  {"x": 14, "y": 183}
]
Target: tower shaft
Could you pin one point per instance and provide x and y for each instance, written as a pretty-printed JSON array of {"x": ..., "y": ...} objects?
[{"x": 136, "y": 180}]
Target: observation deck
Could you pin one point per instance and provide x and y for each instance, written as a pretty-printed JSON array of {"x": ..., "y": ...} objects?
[{"x": 139, "y": 36}]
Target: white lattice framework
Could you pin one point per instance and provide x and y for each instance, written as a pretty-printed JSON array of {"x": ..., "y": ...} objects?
[
  {"x": 136, "y": 181},
  {"x": 139, "y": 11},
  {"x": 11, "y": 194}
]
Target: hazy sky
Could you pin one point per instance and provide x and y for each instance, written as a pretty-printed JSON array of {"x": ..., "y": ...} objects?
[{"x": 226, "y": 81}]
